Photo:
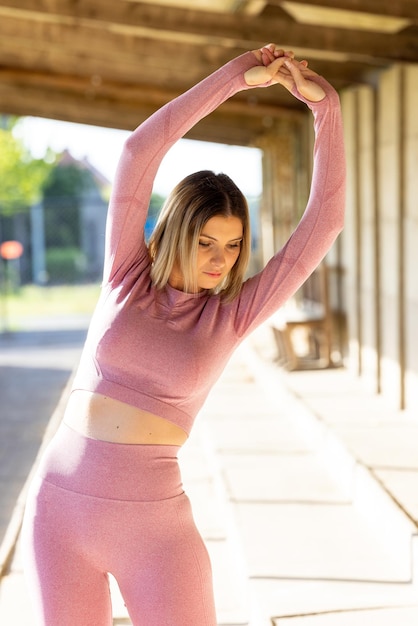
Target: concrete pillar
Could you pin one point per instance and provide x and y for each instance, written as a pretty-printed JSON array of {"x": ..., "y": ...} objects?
[{"x": 285, "y": 182}]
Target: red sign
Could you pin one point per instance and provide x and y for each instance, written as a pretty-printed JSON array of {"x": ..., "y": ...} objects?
[{"x": 11, "y": 250}]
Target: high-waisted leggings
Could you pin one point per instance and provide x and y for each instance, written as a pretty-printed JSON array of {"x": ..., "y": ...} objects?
[{"x": 96, "y": 508}]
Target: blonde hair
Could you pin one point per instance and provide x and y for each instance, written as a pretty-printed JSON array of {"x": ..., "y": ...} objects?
[{"x": 175, "y": 239}]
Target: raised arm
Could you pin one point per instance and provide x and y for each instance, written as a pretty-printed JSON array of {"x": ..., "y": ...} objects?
[
  {"x": 323, "y": 218},
  {"x": 142, "y": 155}
]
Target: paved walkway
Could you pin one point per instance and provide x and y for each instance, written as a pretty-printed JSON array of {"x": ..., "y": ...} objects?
[
  {"x": 35, "y": 366},
  {"x": 304, "y": 486}
]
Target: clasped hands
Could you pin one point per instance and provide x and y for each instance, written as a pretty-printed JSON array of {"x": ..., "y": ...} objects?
[{"x": 280, "y": 66}]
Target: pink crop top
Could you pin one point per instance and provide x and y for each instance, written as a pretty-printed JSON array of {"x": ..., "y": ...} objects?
[{"x": 162, "y": 350}]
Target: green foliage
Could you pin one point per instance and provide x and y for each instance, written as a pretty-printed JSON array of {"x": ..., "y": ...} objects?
[
  {"x": 8, "y": 122},
  {"x": 64, "y": 265},
  {"x": 63, "y": 192},
  {"x": 68, "y": 181},
  {"x": 21, "y": 176},
  {"x": 155, "y": 205},
  {"x": 33, "y": 300}
]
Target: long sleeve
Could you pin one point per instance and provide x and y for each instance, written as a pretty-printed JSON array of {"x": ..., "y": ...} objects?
[
  {"x": 321, "y": 222},
  {"x": 142, "y": 154}
]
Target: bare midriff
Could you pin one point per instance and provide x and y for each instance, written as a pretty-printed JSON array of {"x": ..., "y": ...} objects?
[{"x": 100, "y": 417}]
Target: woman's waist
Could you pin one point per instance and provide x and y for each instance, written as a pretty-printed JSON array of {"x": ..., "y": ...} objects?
[
  {"x": 93, "y": 467},
  {"x": 104, "y": 418}
]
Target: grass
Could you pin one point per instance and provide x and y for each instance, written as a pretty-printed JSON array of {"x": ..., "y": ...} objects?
[{"x": 34, "y": 301}]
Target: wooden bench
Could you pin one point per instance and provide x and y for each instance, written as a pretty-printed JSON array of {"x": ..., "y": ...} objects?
[{"x": 307, "y": 330}]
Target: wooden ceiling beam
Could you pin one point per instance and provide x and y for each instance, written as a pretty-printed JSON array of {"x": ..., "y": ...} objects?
[
  {"x": 247, "y": 103},
  {"x": 233, "y": 123},
  {"x": 400, "y": 8},
  {"x": 239, "y": 121},
  {"x": 108, "y": 18},
  {"x": 51, "y": 50},
  {"x": 113, "y": 63},
  {"x": 251, "y": 7},
  {"x": 57, "y": 58}
]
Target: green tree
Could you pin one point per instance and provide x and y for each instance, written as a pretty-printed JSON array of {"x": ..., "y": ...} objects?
[
  {"x": 63, "y": 193},
  {"x": 155, "y": 205},
  {"x": 21, "y": 176}
]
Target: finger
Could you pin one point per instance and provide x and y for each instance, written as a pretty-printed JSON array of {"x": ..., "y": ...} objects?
[
  {"x": 267, "y": 56},
  {"x": 275, "y": 50},
  {"x": 277, "y": 65},
  {"x": 308, "y": 88},
  {"x": 293, "y": 68},
  {"x": 302, "y": 66}
]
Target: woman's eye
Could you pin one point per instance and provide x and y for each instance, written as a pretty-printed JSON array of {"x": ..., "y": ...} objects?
[{"x": 230, "y": 246}]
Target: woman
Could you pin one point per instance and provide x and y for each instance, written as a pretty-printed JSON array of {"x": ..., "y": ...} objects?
[{"x": 108, "y": 496}]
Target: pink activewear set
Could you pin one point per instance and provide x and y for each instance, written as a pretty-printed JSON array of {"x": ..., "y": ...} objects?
[{"x": 97, "y": 507}]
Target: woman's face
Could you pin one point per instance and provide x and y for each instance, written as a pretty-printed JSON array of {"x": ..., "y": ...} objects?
[{"x": 219, "y": 248}]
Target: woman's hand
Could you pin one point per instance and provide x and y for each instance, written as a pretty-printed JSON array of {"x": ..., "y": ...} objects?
[
  {"x": 279, "y": 66},
  {"x": 272, "y": 58}
]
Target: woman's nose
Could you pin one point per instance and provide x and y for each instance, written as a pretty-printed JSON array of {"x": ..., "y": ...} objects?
[{"x": 218, "y": 258}]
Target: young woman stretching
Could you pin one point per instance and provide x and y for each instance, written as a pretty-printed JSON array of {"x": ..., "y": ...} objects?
[{"x": 108, "y": 496}]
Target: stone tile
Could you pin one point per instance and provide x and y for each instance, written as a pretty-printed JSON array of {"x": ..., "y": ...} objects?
[
  {"x": 394, "y": 446},
  {"x": 280, "y": 597},
  {"x": 238, "y": 400},
  {"x": 230, "y": 584},
  {"x": 265, "y": 434},
  {"x": 382, "y": 616},
  {"x": 350, "y": 409},
  {"x": 15, "y": 607},
  {"x": 208, "y": 508},
  {"x": 338, "y": 397},
  {"x": 318, "y": 542},
  {"x": 403, "y": 484},
  {"x": 281, "y": 478}
]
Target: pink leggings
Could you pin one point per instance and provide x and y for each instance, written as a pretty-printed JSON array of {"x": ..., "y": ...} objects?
[{"x": 97, "y": 508}]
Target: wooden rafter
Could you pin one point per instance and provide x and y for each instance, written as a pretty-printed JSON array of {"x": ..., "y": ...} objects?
[
  {"x": 127, "y": 19},
  {"x": 113, "y": 62},
  {"x": 400, "y": 8}
]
